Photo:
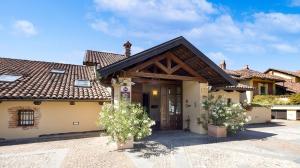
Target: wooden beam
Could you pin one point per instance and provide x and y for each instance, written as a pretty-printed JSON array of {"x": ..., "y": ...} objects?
[
  {"x": 163, "y": 76},
  {"x": 169, "y": 63},
  {"x": 175, "y": 68},
  {"x": 162, "y": 67},
  {"x": 146, "y": 64},
  {"x": 184, "y": 65},
  {"x": 154, "y": 81}
]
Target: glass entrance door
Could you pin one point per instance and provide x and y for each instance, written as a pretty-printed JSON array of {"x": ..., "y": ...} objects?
[{"x": 174, "y": 106}]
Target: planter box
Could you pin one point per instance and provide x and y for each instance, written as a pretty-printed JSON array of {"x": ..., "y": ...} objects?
[
  {"x": 127, "y": 145},
  {"x": 217, "y": 131}
]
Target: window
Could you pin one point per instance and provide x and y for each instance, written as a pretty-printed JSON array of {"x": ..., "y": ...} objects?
[
  {"x": 25, "y": 117},
  {"x": 262, "y": 90},
  {"x": 9, "y": 78},
  {"x": 82, "y": 83},
  {"x": 228, "y": 101},
  {"x": 58, "y": 71}
]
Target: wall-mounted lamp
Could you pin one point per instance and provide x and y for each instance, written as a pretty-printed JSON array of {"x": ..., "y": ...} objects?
[{"x": 154, "y": 92}]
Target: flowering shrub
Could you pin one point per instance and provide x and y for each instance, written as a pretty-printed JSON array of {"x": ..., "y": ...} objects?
[
  {"x": 237, "y": 118},
  {"x": 216, "y": 109},
  {"x": 232, "y": 116},
  {"x": 126, "y": 121}
]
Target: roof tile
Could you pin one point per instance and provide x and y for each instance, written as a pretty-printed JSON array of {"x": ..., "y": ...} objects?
[{"x": 37, "y": 82}]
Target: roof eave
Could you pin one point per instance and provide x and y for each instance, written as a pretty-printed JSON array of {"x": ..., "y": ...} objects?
[{"x": 106, "y": 71}]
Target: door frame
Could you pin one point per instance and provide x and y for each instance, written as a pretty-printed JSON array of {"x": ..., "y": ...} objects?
[{"x": 167, "y": 107}]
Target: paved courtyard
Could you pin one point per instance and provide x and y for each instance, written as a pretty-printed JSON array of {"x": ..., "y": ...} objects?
[
  {"x": 268, "y": 145},
  {"x": 275, "y": 145}
]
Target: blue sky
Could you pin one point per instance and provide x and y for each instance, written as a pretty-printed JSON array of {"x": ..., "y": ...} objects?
[{"x": 261, "y": 33}]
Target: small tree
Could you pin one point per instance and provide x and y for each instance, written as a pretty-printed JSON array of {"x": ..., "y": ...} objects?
[
  {"x": 125, "y": 121},
  {"x": 232, "y": 116}
]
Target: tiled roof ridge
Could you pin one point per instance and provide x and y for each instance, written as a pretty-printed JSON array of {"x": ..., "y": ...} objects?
[
  {"x": 41, "y": 61},
  {"x": 106, "y": 52}
]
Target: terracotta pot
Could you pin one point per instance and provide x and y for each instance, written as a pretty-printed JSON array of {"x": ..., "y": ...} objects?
[
  {"x": 217, "y": 131},
  {"x": 127, "y": 145}
]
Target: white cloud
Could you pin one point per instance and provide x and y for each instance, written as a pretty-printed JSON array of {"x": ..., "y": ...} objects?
[
  {"x": 285, "y": 48},
  {"x": 217, "y": 56},
  {"x": 24, "y": 27},
  {"x": 111, "y": 27},
  {"x": 205, "y": 24},
  {"x": 166, "y": 10},
  {"x": 261, "y": 34},
  {"x": 277, "y": 22},
  {"x": 295, "y": 3},
  {"x": 136, "y": 49}
]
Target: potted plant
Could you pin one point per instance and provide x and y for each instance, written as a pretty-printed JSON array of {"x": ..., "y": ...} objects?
[
  {"x": 125, "y": 122},
  {"x": 223, "y": 117}
]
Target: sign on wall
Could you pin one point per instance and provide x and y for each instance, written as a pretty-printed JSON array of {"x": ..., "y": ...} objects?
[{"x": 125, "y": 93}]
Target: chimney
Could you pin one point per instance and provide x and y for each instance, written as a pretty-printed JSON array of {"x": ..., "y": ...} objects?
[
  {"x": 127, "y": 47},
  {"x": 246, "y": 67},
  {"x": 223, "y": 65}
]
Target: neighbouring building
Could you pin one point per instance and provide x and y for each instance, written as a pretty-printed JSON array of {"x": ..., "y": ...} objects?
[
  {"x": 291, "y": 85},
  {"x": 261, "y": 84},
  {"x": 292, "y": 80},
  {"x": 40, "y": 98},
  {"x": 170, "y": 80}
]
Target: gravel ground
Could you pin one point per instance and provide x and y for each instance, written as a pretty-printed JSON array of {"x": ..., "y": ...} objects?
[
  {"x": 84, "y": 152},
  {"x": 275, "y": 145}
]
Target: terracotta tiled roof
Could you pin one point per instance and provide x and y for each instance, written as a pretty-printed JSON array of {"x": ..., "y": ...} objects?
[
  {"x": 296, "y": 73},
  {"x": 37, "y": 82},
  {"x": 101, "y": 59},
  {"x": 249, "y": 73},
  {"x": 290, "y": 86}
]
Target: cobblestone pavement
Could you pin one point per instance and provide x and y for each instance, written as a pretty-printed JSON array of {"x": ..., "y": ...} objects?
[
  {"x": 57, "y": 152},
  {"x": 274, "y": 145}
]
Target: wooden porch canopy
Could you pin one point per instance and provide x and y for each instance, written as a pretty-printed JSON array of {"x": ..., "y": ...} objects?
[{"x": 176, "y": 59}]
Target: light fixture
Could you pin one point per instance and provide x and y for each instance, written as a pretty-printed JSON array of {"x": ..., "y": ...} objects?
[{"x": 154, "y": 92}]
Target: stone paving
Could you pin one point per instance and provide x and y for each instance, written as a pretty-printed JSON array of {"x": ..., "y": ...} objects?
[
  {"x": 59, "y": 152},
  {"x": 275, "y": 145}
]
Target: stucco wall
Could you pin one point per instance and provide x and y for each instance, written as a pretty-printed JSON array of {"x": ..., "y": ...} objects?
[
  {"x": 282, "y": 75},
  {"x": 55, "y": 117},
  {"x": 248, "y": 95},
  {"x": 234, "y": 96},
  {"x": 259, "y": 115},
  {"x": 193, "y": 95}
]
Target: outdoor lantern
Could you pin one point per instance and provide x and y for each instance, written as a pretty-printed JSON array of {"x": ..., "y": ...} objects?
[{"x": 154, "y": 92}]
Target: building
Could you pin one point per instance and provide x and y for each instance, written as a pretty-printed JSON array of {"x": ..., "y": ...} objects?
[
  {"x": 170, "y": 80},
  {"x": 290, "y": 86},
  {"x": 292, "y": 80},
  {"x": 261, "y": 83},
  {"x": 39, "y": 98}
]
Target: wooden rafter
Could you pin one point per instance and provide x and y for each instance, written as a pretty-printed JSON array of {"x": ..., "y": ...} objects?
[
  {"x": 148, "y": 63},
  {"x": 142, "y": 71},
  {"x": 183, "y": 65},
  {"x": 162, "y": 67},
  {"x": 163, "y": 76}
]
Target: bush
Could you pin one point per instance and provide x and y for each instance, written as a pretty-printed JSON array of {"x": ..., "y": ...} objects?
[
  {"x": 267, "y": 100},
  {"x": 126, "y": 121},
  {"x": 294, "y": 99},
  {"x": 232, "y": 116}
]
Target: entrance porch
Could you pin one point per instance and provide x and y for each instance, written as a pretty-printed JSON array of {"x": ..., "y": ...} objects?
[{"x": 170, "y": 81}]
